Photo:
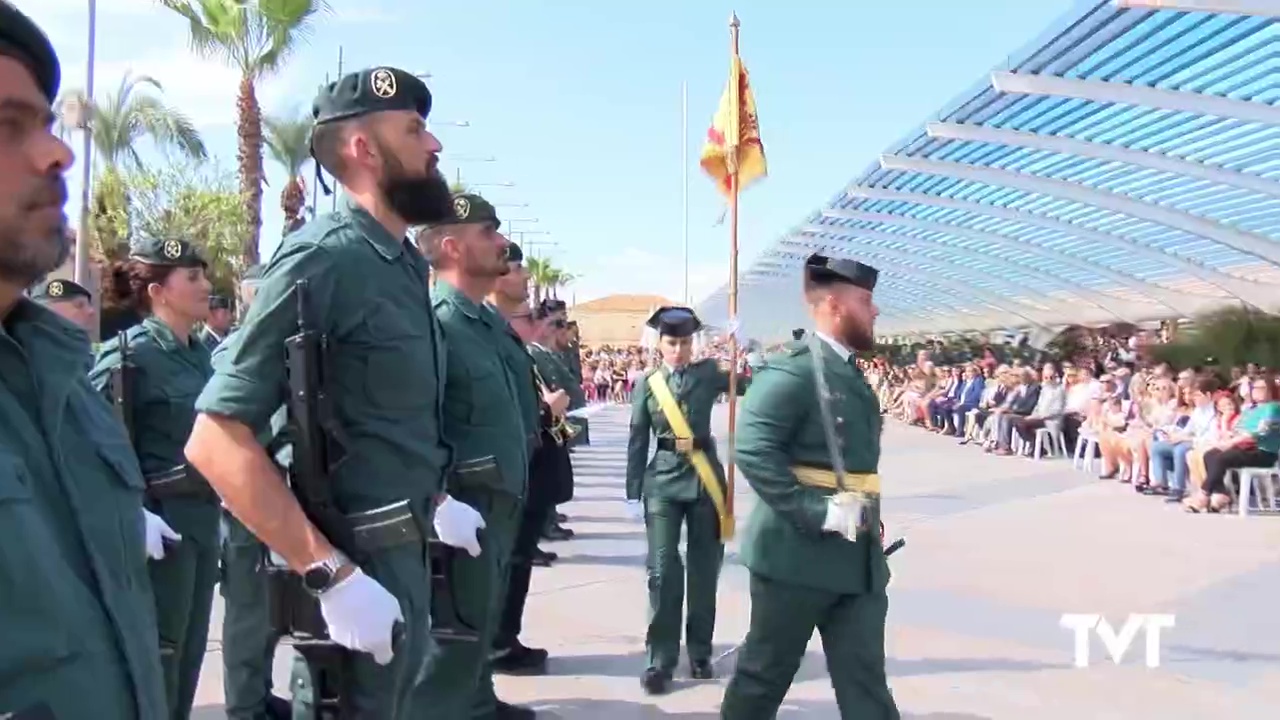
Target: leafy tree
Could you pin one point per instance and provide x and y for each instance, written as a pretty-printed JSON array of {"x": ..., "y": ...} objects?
[
  {"x": 1225, "y": 339},
  {"x": 255, "y": 37}
]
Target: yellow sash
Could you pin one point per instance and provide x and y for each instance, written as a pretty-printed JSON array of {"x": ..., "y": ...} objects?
[
  {"x": 684, "y": 441},
  {"x": 863, "y": 483}
]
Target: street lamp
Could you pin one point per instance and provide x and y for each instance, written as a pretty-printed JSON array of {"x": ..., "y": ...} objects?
[
  {"x": 85, "y": 123},
  {"x": 507, "y": 184}
]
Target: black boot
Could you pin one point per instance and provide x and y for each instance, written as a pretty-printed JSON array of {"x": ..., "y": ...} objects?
[
  {"x": 520, "y": 660},
  {"x": 507, "y": 711},
  {"x": 701, "y": 670},
  {"x": 655, "y": 681}
]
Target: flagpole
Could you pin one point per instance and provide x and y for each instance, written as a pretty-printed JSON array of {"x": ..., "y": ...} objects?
[
  {"x": 684, "y": 164},
  {"x": 732, "y": 155}
]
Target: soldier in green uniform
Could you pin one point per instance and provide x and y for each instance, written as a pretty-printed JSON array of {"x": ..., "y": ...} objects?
[
  {"x": 549, "y": 358},
  {"x": 248, "y": 639},
  {"x": 77, "y": 620},
  {"x": 808, "y": 443},
  {"x": 70, "y": 300},
  {"x": 367, "y": 290},
  {"x": 681, "y": 486},
  {"x": 487, "y": 392},
  {"x": 164, "y": 282},
  {"x": 218, "y": 325}
]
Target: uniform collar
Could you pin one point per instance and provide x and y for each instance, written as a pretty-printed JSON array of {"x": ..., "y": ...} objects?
[
  {"x": 163, "y": 335},
  {"x": 452, "y": 295},
  {"x": 836, "y": 345},
  {"x": 49, "y": 340},
  {"x": 387, "y": 245}
]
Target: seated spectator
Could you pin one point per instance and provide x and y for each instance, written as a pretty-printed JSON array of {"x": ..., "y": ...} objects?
[
  {"x": 1081, "y": 391},
  {"x": 1254, "y": 443},
  {"x": 1014, "y": 388},
  {"x": 1169, "y": 473},
  {"x": 971, "y": 394},
  {"x": 1158, "y": 409},
  {"x": 1023, "y": 405},
  {"x": 1226, "y": 406},
  {"x": 939, "y": 411},
  {"x": 1111, "y": 427},
  {"x": 1049, "y": 407}
]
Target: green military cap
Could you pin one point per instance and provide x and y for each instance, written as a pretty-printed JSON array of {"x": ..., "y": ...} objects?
[
  {"x": 219, "y": 302},
  {"x": 178, "y": 253},
  {"x": 471, "y": 209},
  {"x": 515, "y": 254},
  {"x": 57, "y": 290},
  {"x": 22, "y": 40},
  {"x": 822, "y": 270},
  {"x": 374, "y": 90},
  {"x": 674, "y": 321}
]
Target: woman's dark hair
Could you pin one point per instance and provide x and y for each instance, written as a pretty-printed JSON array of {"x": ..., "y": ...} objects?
[
  {"x": 124, "y": 285},
  {"x": 1208, "y": 384}
]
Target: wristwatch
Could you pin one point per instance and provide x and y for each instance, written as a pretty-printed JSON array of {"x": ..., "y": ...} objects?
[{"x": 321, "y": 576}]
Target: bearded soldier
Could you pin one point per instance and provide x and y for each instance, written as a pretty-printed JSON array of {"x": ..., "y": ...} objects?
[{"x": 813, "y": 544}]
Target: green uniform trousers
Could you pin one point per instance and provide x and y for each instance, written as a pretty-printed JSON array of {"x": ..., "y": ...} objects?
[
  {"x": 393, "y": 691},
  {"x": 459, "y": 677},
  {"x": 248, "y": 641},
  {"x": 183, "y": 584},
  {"x": 783, "y": 617},
  {"x": 704, "y": 554}
]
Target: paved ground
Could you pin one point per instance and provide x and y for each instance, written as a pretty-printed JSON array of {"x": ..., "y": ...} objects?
[{"x": 999, "y": 549}]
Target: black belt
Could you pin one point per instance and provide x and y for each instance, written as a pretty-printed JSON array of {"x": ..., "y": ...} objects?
[
  {"x": 385, "y": 527},
  {"x": 181, "y": 481},
  {"x": 669, "y": 443}
]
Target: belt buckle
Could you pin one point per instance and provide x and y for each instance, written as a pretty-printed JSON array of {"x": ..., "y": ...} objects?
[{"x": 684, "y": 445}]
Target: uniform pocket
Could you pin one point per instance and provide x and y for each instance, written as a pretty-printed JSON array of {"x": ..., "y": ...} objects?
[
  {"x": 398, "y": 357},
  {"x": 36, "y": 602}
]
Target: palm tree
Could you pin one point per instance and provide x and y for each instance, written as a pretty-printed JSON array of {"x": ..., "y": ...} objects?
[
  {"x": 560, "y": 278},
  {"x": 255, "y": 37},
  {"x": 540, "y": 274},
  {"x": 118, "y": 123},
  {"x": 288, "y": 141}
]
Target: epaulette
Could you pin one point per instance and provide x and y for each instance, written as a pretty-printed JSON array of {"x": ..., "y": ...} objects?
[{"x": 796, "y": 348}]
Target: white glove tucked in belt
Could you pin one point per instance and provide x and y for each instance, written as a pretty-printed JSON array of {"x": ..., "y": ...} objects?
[
  {"x": 844, "y": 516},
  {"x": 157, "y": 531},
  {"x": 362, "y": 615},
  {"x": 459, "y": 525},
  {"x": 635, "y": 510}
]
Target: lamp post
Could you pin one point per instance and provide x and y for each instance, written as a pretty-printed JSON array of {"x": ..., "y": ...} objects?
[{"x": 85, "y": 124}]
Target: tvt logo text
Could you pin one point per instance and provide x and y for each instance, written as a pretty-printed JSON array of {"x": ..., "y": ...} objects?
[{"x": 1117, "y": 643}]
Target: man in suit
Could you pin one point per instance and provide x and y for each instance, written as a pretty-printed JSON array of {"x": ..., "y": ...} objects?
[
  {"x": 218, "y": 325},
  {"x": 970, "y": 397},
  {"x": 1050, "y": 405},
  {"x": 1023, "y": 403},
  {"x": 940, "y": 406}
]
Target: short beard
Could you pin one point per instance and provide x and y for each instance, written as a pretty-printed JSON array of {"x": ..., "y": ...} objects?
[
  {"x": 857, "y": 338},
  {"x": 418, "y": 199},
  {"x": 24, "y": 262}
]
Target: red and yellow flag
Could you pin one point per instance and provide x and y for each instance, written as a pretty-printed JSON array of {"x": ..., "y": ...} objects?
[{"x": 733, "y": 141}]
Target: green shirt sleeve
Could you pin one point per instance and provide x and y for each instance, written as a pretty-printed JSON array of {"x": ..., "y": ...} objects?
[
  {"x": 638, "y": 440},
  {"x": 249, "y": 376},
  {"x": 771, "y": 415}
]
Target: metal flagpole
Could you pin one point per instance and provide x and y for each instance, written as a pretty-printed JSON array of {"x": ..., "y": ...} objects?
[
  {"x": 684, "y": 163},
  {"x": 81, "y": 269},
  {"x": 731, "y": 155}
]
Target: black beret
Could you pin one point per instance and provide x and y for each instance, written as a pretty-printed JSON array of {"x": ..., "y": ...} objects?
[
  {"x": 370, "y": 91},
  {"x": 514, "y": 253},
  {"x": 55, "y": 290},
  {"x": 472, "y": 209},
  {"x": 674, "y": 321},
  {"x": 822, "y": 270},
  {"x": 22, "y": 40},
  {"x": 178, "y": 253}
]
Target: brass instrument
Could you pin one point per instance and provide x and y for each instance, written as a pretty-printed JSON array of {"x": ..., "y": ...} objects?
[{"x": 560, "y": 430}]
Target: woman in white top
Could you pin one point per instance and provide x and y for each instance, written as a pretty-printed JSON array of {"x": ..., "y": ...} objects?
[{"x": 1169, "y": 470}]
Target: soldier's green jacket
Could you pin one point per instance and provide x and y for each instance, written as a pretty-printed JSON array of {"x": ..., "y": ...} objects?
[
  {"x": 520, "y": 363},
  {"x": 780, "y": 425},
  {"x": 557, "y": 375},
  {"x": 670, "y": 475},
  {"x": 77, "y": 620},
  {"x": 368, "y": 292},
  {"x": 168, "y": 376},
  {"x": 572, "y": 357},
  {"x": 482, "y": 406}
]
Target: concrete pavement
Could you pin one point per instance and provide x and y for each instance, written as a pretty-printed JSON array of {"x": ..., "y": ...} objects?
[{"x": 999, "y": 549}]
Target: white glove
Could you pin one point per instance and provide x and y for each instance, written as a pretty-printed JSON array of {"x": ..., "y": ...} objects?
[
  {"x": 459, "y": 525},
  {"x": 734, "y": 328},
  {"x": 844, "y": 516},
  {"x": 635, "y": 510},
  {"x": 157, "y": 531},
  {"x": 361, "y": 615}
]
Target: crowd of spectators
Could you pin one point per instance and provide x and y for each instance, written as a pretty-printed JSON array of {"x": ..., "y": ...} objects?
[
  {"x": 609, "y": 373},
  {"x": 1169, "y": 433}
]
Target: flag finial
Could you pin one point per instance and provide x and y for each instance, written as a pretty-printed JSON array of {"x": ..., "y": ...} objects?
[{"x": 733, "y": 19}]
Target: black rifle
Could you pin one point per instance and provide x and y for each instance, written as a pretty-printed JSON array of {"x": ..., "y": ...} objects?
[
  {"x": 317, "y": 451},
  {"x": 121, "y": 385}
]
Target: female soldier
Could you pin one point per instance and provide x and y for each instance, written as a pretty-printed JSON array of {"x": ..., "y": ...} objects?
[{"x": 166, "y": 367}]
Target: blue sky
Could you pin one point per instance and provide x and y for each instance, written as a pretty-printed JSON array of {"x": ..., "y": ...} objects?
[{"x": 579, "y": 104}]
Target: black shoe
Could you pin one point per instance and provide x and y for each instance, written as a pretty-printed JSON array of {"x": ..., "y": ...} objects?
[
  {"x": 564, "y": 531},
  {"x": 701, "y": 670},
  {"x": 654, "y": 681},
  {"x": 507, "y": 711},
  {"x": 1174, "y": 497},
  {"x": 561, "y": 517},
  {"x": 521, "y": 660},
  {"x": 556, "y": 533},
  {"x": 278, "y": 708},
  {"x": 542, "y": 558}
]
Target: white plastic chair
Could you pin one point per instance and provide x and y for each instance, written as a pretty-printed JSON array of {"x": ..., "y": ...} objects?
[
  {"x": 1086, "y": 452},
  {"x": 1056, "y": 445},
  {"x": 1241, "y": 483}
]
